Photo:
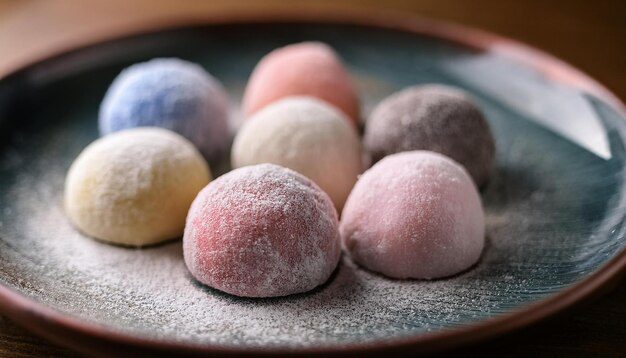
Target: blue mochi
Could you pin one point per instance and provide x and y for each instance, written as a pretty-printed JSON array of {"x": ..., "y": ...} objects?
[{"x": 173, "y": 94}]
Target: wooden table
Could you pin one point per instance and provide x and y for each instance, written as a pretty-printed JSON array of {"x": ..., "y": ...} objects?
[{"x": 589, "y": 34}]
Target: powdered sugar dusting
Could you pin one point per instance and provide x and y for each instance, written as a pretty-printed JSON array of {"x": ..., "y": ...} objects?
[
  {"x": 150, "y": 293},
  {"x": 414, "y": 214},
  {"x": 261, "y": 231},
  {"x": 554, "y": 215}
]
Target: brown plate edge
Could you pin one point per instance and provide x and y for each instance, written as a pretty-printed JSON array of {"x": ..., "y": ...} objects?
[{"x": 99, "y": 340}]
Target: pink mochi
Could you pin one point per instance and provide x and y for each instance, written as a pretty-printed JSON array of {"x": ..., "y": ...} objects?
[
  {"x": 262, "y": 231},
  {"x": 303, "y": 69},
  {"x": 416, "y": 215}
]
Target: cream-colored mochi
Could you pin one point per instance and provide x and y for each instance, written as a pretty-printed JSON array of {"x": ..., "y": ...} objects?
[
  {"x": 306, "y": 135},
  {"x": 135, "y": 187}
]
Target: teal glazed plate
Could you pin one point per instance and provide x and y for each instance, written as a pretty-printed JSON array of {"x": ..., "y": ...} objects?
[{"x": 555, "y": 207}]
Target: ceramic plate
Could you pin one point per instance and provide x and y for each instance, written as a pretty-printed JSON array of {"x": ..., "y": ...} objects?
[{"x": 555, "y": 207}]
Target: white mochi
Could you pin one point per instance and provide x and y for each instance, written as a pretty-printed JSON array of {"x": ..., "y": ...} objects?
[{"x": 306, "y": 135}]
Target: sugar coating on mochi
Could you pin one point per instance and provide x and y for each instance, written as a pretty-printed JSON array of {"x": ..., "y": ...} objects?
[
  {"x": 172, "y": 94},
  {"x": 414, "y": 215},
  {"x": 307, "y": 135},
  {"x": 302, "y": 69},
  {"x": 436, "y": 118},
  {"x": 262, "y": 231},
  {"x": 134, "y": 187}
]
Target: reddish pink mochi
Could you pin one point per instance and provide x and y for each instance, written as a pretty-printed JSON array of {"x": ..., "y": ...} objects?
[
  {"x": 303, "y": 69},
  {"x": 262, "y": 231},
  {"x": 414, "y": 214}
]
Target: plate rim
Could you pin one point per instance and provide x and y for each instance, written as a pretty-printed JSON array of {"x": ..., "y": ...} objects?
[{"x": 97, "y": 339}]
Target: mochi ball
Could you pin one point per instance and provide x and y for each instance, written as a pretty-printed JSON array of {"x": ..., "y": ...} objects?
[
  {"x": 306, "y": 69},
  {"x": 414, "y": 215},
  {"x": 262, "y": 231},
  {"x": 134, "y": 187},
  {"x": 308, "y": 136},
  {"x": 172, "y": 94},
  {"x": 436, "y": 118}
]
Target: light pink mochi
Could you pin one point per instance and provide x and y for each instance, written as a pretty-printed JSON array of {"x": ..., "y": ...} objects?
[
  {"x": 414, "y": 214},
  {"x": 262, "y": 231},
  {"x": 303, "y": 69}
]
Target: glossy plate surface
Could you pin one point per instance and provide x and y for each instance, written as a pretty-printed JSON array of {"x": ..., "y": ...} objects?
[{"x": 555, "y": 207}]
